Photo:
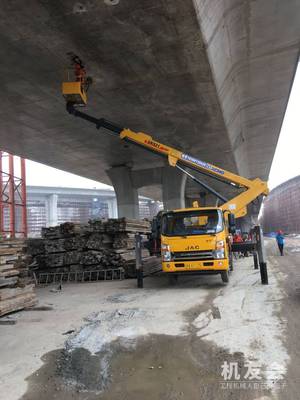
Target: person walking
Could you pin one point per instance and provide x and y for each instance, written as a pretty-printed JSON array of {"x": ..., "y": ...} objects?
[{"x": 280, "y": 241}]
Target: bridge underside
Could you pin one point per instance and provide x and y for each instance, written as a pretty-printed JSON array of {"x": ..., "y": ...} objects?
[{"x": 210, "y": 78}]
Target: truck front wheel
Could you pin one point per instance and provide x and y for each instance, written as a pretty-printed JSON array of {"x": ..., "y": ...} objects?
[{"x": 225, "y": 276}]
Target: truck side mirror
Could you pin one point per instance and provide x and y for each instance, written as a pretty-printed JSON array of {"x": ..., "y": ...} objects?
[{"x": 231, "y": 223}]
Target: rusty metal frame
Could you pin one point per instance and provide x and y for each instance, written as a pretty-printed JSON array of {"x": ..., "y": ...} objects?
[{"x": 12, "y": 196}]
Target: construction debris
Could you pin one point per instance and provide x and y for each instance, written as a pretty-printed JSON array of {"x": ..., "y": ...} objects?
[
  {"x": 16, "y": 288},
  {"x": 99, "y": 245}
]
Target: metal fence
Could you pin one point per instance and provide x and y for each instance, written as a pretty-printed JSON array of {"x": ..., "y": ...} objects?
[{"x": 48, "y": 278}]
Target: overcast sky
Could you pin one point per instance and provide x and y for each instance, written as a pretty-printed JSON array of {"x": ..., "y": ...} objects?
[
  {"x": 286, "y": 162},
  {"x": 41, "y": 175}
]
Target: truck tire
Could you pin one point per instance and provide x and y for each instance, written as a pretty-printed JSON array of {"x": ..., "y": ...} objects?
[
  {"x": 172, "y": 279},
  {"x": 225, "y": 276}
]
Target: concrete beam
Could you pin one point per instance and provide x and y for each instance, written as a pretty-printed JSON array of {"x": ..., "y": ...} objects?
[
  {"x": 253, "y": 50},
  {"x": 147, "y": 177},
  {"x": 126, "y": 193},
  {"x": 173, "y": 188},
  {"x": 172, "y": 181},
  {"x": 209, "y": 77}
]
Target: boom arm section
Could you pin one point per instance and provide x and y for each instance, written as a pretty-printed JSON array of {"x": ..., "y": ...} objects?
[{"x": 253, "y": 188}]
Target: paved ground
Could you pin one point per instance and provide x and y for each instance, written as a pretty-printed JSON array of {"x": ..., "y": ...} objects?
[{"x": 161, "y": 342}]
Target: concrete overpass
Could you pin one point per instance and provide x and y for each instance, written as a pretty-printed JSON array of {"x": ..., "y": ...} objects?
[{"x": 209, "y": 77}]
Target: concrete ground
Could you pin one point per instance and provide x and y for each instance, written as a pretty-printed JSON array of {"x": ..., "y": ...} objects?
[{"x": 110, "y": 340}]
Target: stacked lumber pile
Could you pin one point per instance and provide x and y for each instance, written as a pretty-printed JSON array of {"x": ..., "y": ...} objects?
[
  {"x": 101, "y": 244},
  {"x": 127, "y": 225},
  {"x": 16, "y": 288}
]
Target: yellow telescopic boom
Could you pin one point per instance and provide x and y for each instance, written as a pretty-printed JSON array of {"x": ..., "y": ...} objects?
[{"x": 237, "y": 206}]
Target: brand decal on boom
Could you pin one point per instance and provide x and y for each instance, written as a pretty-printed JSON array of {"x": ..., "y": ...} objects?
[
  {"x": 202, "y": 164},
  {"x": 156, "y": 145}
]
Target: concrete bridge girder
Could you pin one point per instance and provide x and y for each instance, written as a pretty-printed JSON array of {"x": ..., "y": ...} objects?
[
  {"x": 253, "y": 50},
  {"x": 127, "y": 182},
  {"x": 211, "y": 78}
]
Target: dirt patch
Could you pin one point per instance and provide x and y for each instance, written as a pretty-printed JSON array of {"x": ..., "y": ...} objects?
[
  {"x": 148, "y": 367},
  {"x": 159, "y": 367},
  {"x": 49, "y": 381}
]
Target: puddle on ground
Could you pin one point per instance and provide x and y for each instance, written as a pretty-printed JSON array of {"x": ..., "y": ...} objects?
[{"x": 158, "y": 367}]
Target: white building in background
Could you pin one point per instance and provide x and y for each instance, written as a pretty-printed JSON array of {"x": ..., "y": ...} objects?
[{"x": 50, "y": 206}]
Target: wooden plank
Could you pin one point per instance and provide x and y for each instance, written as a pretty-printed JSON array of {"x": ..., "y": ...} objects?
[
  {"x": 9, "y": 272},
  {"x": 15, "y": 292},
  {"x": 10, "y": 250},
  {"x": 9, "y": 258},
  {"x": 8, "y": 281},
  {"x": 19, "y": 303},
  {"x": 5, "y": 267}
]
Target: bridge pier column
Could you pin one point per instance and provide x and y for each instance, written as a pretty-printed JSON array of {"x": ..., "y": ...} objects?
[
  {"x": 52, "y": 218},
  {"x": 246, "y": 223},
  {"x": 126, "y": 193},
  {"x": 173, "y": 188}
]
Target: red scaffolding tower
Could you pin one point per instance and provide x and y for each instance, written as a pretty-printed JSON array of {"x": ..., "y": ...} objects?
[{"x": 13, "y": 212}]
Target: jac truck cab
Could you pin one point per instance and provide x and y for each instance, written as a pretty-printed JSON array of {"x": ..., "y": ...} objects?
[{"x": 196, "y": 241}]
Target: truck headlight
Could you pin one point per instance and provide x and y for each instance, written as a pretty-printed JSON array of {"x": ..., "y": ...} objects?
[
  {"x": 220, "y": 253},
  {"x": 166, "y": 253}
]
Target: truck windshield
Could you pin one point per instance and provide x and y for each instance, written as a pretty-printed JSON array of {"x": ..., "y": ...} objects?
[{"x": 198, "y": 222}]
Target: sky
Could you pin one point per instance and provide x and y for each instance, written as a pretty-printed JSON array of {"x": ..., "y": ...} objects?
[
  {"x": 42, "y": 175},
  {"x": 286, "y": 162}
]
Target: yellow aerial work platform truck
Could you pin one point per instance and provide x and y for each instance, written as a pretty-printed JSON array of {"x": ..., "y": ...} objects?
[{"x": 195, "y": 240}]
